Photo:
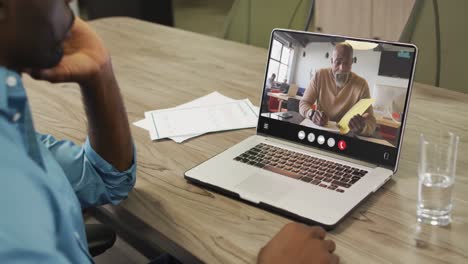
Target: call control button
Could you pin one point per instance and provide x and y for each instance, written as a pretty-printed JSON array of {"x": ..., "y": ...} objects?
[
  {"x": 301, "y": 135},
  {"x": 342, "y": 145},
  {"x": 321, "y": 140}
]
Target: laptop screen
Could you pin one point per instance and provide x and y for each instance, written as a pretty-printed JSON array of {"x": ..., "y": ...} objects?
[{"x": 339, "y": 94}]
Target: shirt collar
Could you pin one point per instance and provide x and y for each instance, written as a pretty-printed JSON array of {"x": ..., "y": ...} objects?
[{"x": 10, "y": 81}]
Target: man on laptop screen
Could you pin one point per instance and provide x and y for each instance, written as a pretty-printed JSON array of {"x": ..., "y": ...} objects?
[
  {"x": 345, "y": 89},
  {"x": 336, "y": 90}
]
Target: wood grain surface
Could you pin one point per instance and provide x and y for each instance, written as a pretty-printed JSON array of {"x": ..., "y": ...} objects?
[{"x": 159, "y": 67}]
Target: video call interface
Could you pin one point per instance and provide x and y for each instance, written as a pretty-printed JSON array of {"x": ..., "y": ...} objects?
[{"x": 348, "y": 87}]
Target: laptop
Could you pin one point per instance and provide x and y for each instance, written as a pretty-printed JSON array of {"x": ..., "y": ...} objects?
[{"x": 313, "y": 172}]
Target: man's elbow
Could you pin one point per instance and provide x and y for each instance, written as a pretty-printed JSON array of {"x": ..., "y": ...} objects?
[
  {"x": 304, "y": 107},
  {"x": 120, "y": 192},
  {"x": 119, "y": 186}
]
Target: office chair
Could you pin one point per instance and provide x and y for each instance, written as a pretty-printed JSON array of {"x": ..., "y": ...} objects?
[
  {"x": 437, "y": 28},
  {"x": 273, "y": 103},
  {"x": 100, "y": 238},
  {"x": 293, "y": 104}
]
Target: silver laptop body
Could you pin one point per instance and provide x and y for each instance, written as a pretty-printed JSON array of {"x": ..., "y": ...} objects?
[{"x": 325, "y": 173}]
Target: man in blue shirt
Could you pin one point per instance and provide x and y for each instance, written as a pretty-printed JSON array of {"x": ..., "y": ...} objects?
[{"x": 44, "y": 182}]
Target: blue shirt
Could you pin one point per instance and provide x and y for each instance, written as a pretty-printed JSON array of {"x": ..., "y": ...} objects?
[{"x": 45, "y": 183}]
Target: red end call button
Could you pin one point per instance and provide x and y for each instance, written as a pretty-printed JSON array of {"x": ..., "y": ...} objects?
[{"x": 342, "y": 145}]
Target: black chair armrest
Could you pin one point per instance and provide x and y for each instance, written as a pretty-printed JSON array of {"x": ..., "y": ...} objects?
[{"x": 100, "y": 238}]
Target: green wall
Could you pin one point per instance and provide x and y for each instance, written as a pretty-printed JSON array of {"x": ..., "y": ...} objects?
[
  {"x": 454, "y": 44},
  {"x": 251, "y": 21}
]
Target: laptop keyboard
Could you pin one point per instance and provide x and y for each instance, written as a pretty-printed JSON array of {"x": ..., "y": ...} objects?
[{"x": 323, "y": 173}]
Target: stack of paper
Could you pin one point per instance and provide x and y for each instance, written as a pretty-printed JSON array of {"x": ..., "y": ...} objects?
[{"x": 210, "y": 113}]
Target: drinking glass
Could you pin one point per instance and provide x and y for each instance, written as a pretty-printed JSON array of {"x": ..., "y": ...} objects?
[{"x": 436, "y": 171}]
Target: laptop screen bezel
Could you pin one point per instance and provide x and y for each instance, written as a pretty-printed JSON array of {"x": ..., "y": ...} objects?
[{"x": 380, "y": 155}]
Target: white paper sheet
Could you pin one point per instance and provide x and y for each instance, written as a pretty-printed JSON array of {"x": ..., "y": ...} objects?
[
  {"x": 210, "y": 99},
  {"x": 175, "y": 122},
  {"x": 144, "y": 123}
]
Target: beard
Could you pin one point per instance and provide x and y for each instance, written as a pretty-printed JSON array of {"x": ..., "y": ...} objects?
[{"x": 341, "y": 78}]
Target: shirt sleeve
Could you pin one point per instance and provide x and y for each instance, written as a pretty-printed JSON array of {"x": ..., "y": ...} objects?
[
  {"x": 310, "y": 97},
  {"x": 95, "y": 181}
]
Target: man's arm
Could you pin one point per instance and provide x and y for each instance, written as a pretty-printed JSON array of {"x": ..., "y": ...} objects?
[
  {"x": 108, "y": 128},
  {"x": 309, "y": 98},
  {"x": 88, "y": 63},
  {"x": 94, "y": 180},
  {"x": 103, "y": 169}
]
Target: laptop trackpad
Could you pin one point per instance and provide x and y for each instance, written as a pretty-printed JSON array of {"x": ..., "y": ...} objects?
[{"x": 261, "y": 187}]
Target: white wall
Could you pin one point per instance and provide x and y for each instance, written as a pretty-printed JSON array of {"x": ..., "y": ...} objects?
[
  {"x": 398, "y": 82},
  {"x": 314, "y": 60},
  {"x": 292, "y": 63},
  {"x": 367, "y": 66}
]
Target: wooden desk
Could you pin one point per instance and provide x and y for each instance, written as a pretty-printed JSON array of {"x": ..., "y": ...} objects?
[{"x": 160, "y": 67}]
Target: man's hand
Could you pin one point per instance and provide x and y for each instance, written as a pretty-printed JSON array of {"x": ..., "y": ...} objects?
[
  {"x": 87, "y": 62},
  {"x": 357, "y": 123},
  {"x": 297, "y": 243},
  {"x": 85, "y": 58},
  {"x": 320, "y": 118}
]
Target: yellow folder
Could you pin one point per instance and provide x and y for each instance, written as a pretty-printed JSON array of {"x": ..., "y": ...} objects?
[{"x": 358, "y": 109}]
